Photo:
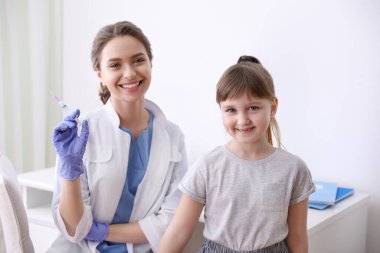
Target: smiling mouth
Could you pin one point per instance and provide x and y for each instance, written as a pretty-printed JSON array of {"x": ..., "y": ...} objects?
[
  {"x": 130, "y": 85},
  {"x": 244, "y": 130}
]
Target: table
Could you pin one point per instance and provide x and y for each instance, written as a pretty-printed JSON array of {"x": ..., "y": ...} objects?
[{"x": 340, "y": 228}]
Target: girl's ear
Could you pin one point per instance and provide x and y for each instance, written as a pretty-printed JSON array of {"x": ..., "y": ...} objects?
[{"x": 274, "y": 107}]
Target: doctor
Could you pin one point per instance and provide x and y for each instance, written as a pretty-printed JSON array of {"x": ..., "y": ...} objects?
[{"x": 117, "y": 181}]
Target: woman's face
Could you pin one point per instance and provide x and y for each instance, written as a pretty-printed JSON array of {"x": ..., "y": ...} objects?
[{"x": 125, "y": 69}]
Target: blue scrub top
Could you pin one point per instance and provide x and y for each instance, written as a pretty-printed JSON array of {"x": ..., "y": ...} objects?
[{"x": 137, "y": 164}]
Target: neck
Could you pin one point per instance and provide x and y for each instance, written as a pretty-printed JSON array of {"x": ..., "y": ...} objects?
[
  {"x": 250, "y": 151},
  {"x": 133, "y": 116}
]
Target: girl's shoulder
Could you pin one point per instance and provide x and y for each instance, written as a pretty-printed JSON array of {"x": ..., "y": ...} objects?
[
  {"x": 287, "y": 157},
  {"x": 205, "y": 163},
  {"x": 214, "y": 154},
  {"x": 210, "y": 158}
]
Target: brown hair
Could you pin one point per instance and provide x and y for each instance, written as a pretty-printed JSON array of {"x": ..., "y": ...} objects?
[
  {"x": 106, "y": 34},
  {"x": 249, "y": 76}
]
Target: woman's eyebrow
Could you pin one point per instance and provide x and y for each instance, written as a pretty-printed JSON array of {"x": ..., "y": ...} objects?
[
  {"x": 113, "y": 59},
  {"x": 119, "y": 59},
  {"x": 138, "y": 54}
]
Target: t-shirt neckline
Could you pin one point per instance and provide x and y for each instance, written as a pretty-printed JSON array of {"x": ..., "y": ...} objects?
[{"x": 253, "y": 162}]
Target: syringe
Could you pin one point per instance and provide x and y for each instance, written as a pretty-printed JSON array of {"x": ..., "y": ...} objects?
[
  {"x": 62, "y": 104},
  {"x": 65, "y": 108}
]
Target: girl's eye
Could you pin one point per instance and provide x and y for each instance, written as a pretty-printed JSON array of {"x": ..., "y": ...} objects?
[
  {"x": 230, "y": 110},
  {"x": 254, "y": 108}
]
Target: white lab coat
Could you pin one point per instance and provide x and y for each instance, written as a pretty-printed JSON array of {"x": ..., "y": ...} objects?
[{"x": 106, "y": 163}]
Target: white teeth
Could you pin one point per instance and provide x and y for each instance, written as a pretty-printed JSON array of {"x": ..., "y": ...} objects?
[
  {"x": 129, "y": 86},
  {"x": 244, "y": 129}
]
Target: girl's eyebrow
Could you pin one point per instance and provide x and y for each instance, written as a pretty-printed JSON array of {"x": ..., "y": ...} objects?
[
  {"x": 255, "y": 103},
  {"x": 225, "y": 108},
  {"x": 227, "y": 105}
]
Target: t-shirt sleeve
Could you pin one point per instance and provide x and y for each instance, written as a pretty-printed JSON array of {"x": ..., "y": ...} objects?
[
  {"x": 194, "y": 181},
  {"x": 303, "y": 185}
]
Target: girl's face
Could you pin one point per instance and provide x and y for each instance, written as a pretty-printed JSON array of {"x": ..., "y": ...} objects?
[
  {"x": 126, "y": 69},
  {"x": 246, "y": 118}
]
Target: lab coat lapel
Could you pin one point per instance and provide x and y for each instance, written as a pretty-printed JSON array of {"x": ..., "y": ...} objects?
[{"x": 150, "y": 189}]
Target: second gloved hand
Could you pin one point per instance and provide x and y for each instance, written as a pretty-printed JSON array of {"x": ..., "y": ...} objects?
[
  {"x": 98, "y": 232},
  {"x": 69, "y": 146}
]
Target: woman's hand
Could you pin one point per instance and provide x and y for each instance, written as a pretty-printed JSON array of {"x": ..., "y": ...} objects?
[
  {"x": 69, "y": 146},
  {"x": 98, "y": 232}
]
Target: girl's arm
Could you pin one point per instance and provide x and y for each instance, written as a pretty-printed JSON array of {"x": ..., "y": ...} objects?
[
  {"x": 182, "y": 226},
  {"x": 297, "y": 223}
]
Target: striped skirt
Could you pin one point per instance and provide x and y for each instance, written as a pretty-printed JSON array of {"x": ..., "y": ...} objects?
[{"x": 213, "y": 247}]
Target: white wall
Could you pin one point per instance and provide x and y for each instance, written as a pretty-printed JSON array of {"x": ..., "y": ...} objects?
[{"x": 323, "y": 55}]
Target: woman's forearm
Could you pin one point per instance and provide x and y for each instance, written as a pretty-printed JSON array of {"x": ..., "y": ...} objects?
[
  {"x": 71, "y": 204},
  {"x": 127, "y": 233}
]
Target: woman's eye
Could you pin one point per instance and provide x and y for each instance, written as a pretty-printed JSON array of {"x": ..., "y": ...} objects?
[
  {"x": 114, "y": 65},
  {"x": 140, "y": 60}
]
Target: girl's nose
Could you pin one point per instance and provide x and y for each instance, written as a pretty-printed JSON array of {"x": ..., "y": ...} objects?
[
  {"x": 243, "y": 119},
  {"x": 129, "y": 72}
]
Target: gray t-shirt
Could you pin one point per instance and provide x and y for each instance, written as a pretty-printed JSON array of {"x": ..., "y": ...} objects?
[{"x": 246, "y": 202}]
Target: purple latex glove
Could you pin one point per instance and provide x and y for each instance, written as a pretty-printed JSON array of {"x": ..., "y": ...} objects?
[
  {"x": 69, "y": 146},
  {"x": 98, "y": 232}
]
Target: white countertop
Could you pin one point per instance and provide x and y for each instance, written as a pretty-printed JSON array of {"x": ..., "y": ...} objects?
[
  {"x": 317, "y": 219},
  {"x": 40, "y": 179}
]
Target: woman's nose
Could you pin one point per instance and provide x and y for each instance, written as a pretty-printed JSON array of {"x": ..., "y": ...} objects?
[{"x": 129, "y": 72}]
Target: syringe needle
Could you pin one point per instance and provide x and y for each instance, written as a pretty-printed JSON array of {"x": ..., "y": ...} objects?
[{"x": 65, "y": 108}]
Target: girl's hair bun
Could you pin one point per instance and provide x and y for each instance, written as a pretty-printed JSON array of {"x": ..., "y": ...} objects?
[{"x": 248, "y": 59}]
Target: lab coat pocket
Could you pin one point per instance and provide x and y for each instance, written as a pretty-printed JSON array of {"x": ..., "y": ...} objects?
[
  {"x": 99, "y": 164},
  {"x": 97, "y": 153},
  {"x": 272, "y": 197},
  {"x": 102, "y": 169}
]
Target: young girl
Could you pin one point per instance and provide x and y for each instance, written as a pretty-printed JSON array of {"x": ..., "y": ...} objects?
[
  {"x": 254, "y": 195},
  {"x": 117, "y": 182}
]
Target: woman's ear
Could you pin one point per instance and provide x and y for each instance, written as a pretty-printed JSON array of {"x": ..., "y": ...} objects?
[
  {"x": 99, "y": 74},
  {"x": 274, "y": 107}
]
